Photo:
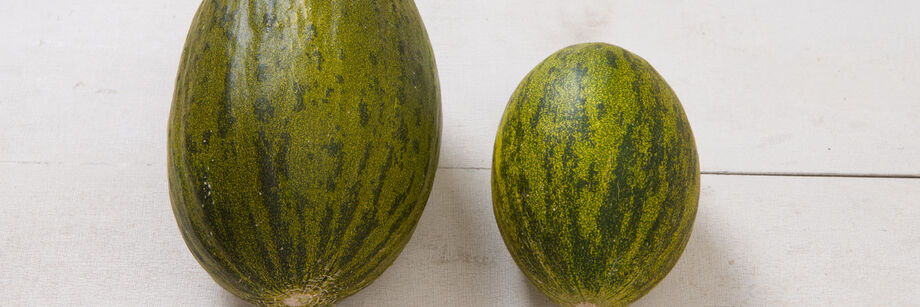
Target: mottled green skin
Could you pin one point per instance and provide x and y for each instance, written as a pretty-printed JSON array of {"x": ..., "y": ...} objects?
[
  {"x": 595, "y": 176},
  {"x": 303, "y": 142}
]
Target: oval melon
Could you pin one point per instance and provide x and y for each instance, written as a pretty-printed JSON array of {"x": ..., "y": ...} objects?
[{"x": 595, "y": 176}]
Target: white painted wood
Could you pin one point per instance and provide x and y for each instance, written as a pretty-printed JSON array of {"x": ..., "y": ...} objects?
[
  {"x": 806, "y": 86},
  {"x": 104, "y": 235},
  {"x": 789, "y": 86},
  {"x": 88, "y": 81}
]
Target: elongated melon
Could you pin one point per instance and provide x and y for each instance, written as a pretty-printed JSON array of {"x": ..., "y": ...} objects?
[{"x": 303, "y": 142}]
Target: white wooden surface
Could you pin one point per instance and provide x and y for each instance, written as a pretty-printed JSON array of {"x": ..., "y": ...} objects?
[{"x": 794, "y": 87}]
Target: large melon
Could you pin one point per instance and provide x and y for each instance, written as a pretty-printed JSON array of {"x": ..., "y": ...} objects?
[
  {"x": 595, "y": 177},
  {"x": 303, "y": 142}
]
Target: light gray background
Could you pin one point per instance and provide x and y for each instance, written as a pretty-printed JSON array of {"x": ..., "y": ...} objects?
[{"x": 818, "y": 94}]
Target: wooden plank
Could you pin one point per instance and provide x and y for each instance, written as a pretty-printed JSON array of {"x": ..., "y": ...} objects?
[
  {"x": 758, "y": 241},
  {"x": 104, "y": 234},
  {"x": 813, "y": 86},
  {"x": 88, "y": 82},
  {"x": 795, "y": 86},
  {"x": 780, "y": 241}
]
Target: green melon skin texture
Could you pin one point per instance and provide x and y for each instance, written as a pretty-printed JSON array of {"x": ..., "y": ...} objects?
[
  {"x": 303, "y": 141},
  {"x": 595, "y": 176}
]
